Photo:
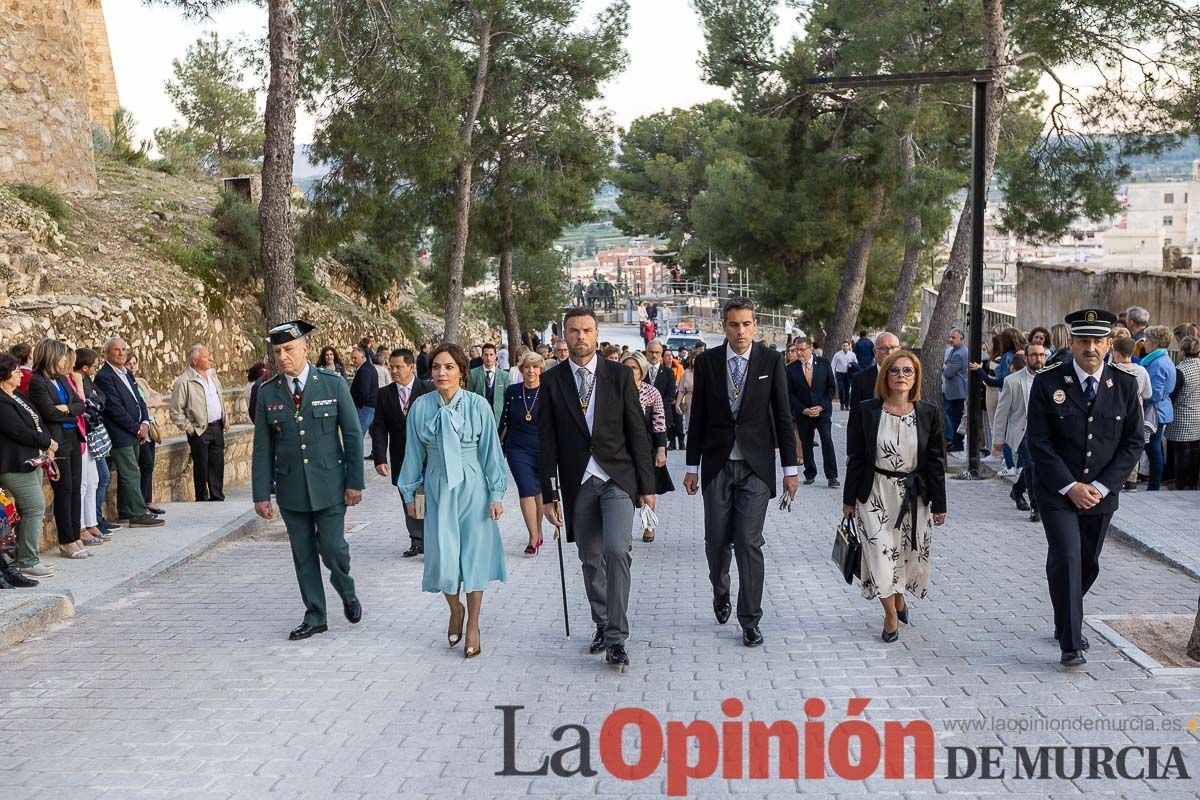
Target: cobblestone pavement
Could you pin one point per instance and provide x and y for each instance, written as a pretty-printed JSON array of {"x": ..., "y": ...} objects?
[{"x": 186, "y": 687}]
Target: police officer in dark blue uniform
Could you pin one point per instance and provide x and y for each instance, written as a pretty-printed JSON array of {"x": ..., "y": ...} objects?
[{"x": 1084, "y": 434}]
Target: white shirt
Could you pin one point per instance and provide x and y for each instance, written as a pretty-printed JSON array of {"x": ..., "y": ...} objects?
[
  {"x": 593, "y": 469},
  {"x": 842, "y": 360},
  {"x": 736, "y": 454},
  {"x": 291, "y": 382},
  {"x": 1082, "y": 376},
  {"x": 124, "y": 379},
  {"x": 212, "y": 399}
]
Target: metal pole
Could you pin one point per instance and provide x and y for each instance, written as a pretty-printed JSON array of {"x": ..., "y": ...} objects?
[{"x": 975, "y": 324}]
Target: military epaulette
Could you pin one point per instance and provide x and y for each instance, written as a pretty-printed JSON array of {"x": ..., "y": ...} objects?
[
  {"x": 1049, "y": 367},
  {"x": 326, "y": 371}
]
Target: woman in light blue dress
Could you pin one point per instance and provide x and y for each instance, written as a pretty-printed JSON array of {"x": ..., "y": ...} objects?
[{"x": 454, "y": 452}]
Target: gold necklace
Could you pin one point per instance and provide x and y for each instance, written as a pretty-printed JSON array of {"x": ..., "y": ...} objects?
[{"x": 529, "y": 406}]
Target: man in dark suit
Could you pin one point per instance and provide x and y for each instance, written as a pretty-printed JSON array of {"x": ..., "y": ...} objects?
[
  {"x": 1084, "y": 432},
  {"x": 128, "y": 424},
  {"x": 593, "y": 440},
  {"x": 862, "y": 385},
  {"x": 867, "y": 355},
  {"x": 389, "y": 432},
  {"x": 662, "y": 377},
  {"x": 811, "y": 387},
  {"x": 364, "y": 387},
  {"x": 740, "y": 415}
]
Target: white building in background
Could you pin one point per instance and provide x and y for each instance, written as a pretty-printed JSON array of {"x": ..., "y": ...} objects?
[{"x": 1158, "y": 215}]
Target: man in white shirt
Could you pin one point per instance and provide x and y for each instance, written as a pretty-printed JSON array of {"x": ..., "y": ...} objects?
[
  {"x": 198, "y": 410},
  {"x": 740, "y": 415},
  {"x": 1008, "y": 425},
  {"x": 843, "y": 362}
]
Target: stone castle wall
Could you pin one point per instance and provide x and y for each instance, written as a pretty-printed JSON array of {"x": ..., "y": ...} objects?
[
  {"x": 102, "y": 80},
  {"x": 54, "y": 59}
]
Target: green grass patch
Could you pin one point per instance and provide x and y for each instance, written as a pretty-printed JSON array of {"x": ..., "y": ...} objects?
[{"x": 44, "y": 198}]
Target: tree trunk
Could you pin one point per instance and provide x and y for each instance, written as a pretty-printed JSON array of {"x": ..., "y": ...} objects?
[
  {"x": 954, "y": 278},
  {"x": 508, "y": 302},
  {"x": 902, "y": 298},
  {"x": 462, "y": 194},
  {"x": 1193, "y": 647},
  {"x": 275, "y": 209},
  {"x": 854, "y": 275}
]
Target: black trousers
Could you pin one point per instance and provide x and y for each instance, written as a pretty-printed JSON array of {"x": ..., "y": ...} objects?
[
  {"x": 735, "y": 508},
  {"x": 822, "y": 426},
  {"x": 1072, "y": 564},
  {"x": 146, "y": 468},
  {"x": 1187, "y": 464},
  {"x": 68, "y": 489},
  {"x": 208, "y": 462}
]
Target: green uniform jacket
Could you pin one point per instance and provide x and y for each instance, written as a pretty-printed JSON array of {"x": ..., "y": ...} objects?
[
  {"x": 312, "y": 456},
  {"x": 477, "y": 383}
]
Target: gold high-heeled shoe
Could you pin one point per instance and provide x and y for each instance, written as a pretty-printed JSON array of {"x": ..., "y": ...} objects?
[
  {"x": 471, "y": 652},
  {"x": 455, "y": 638}
]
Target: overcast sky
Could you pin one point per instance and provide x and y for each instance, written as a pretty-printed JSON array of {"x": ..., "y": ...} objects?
[{"x": 663, "y": 44}]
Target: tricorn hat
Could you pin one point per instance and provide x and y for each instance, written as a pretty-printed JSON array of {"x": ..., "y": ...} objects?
[{"x": 290, "y": 331}]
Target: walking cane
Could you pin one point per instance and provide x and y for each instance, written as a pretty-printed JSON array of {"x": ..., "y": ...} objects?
[{"x": 562, "y": 575}]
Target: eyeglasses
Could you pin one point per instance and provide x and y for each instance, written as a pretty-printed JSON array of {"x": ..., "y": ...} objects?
[{"x": 907, "y": 372}]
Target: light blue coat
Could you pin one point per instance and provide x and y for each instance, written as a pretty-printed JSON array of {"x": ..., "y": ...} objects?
[
  {"x": 454, "y": 452},
  {"x": 1162, "y": 382}
]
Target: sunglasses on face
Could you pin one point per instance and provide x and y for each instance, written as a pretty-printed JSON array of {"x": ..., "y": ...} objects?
[{"x": 907, "y": 372}]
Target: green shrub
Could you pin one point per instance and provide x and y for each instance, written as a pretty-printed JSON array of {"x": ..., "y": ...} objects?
[
  {"x": 306, "y": 280},
  {"x": 44, "y": 198},
  {"x": 373, "y": 272},
  {"x": 409, "y": 326},
  {"x": 123, "y": 125},
  {"x": 235, "y": 224},
  {"x": 101, "y": 141},
  {"x": 164, "y": 166}
]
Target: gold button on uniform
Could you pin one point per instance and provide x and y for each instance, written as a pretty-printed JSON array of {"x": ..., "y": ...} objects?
[
  {"x": 306, "y": 461},
  {"x": 302, "y": 433},
  {"x": 305, "y": 447},
  {"x": 1085, "y": 472}
]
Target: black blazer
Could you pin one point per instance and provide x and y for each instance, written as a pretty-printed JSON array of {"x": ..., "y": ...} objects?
[
  {"x": 364, "y": 390},
  {"x": 43, "y": 397},
  {"x": 803, "y": 396},
  {"x": 389, "y": 430},
  {"x": 21, "y": 436},
  {"x": 1071, "y": 443},
  {"x": 862, "y": 437},
  {"x": 664, "y": 381},
  {"x": 862, "y": 386},
  {"x": 123, "y": 412},
  {"x": 764, "y": 421},
  {"x": 618, "y": 440}
]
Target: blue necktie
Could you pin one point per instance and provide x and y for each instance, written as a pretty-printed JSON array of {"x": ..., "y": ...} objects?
[{"x": 1090, "y": 391}]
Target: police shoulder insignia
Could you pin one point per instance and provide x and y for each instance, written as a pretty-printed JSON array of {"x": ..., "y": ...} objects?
[{"x": 1049, "y": 367}]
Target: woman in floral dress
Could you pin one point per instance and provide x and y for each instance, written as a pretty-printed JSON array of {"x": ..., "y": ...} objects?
[{"x": 896, "y": 487}]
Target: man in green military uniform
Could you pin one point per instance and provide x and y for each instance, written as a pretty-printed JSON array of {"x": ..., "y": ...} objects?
[{"x": 307, "y": 443}]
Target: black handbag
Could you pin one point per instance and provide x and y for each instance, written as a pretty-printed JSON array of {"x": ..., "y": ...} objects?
[{"x": 847, "y": 549}]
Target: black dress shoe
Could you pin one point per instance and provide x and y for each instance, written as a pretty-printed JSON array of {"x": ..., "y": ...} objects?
[
  {"x": 414, "y": 550},
  {"x": 305, "y": 630},
  {"x": 1018, "y": 498},
  {"x": 155, "y": 510},
  {"x": 1084, "y": 644},
  {"x": 353, "y": 611},
  {"x": 722, "y": 609},
  {"x": 834, "y": 483},
  {"x": 616, "y": 655},
  {"x": 1034, "y": 516},
  {"x": 1072, "y": 658},
  {"x": 597, "y": 641},
  {"x": 809, "y": 481},
  {"x": 752, "y": 636},
  {"x": 891, "y": 636}
]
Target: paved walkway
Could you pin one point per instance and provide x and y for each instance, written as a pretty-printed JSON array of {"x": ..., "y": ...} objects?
[
  {"x": 134, "y": 553},
  {"x": 187, "y": 688}
]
